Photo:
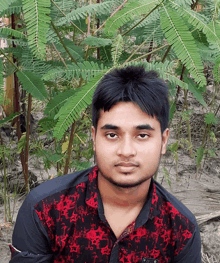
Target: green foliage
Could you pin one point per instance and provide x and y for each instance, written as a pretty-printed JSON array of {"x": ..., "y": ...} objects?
[
  {"x": 58, "y": 101},
  {"x": 13, "y": 7},
  {"x": 210, "y": 118},
  {"x": 1, "y": 81},
  {"x": 32, "y": 84},
  {"x": 5, "y": 32},
  {"x": 179, "y": 36},
  {"x": 84, "y": 11},
  {"x": 74, "y": 106},
  {"x": 9, "y": 118},
  {"x": 117, "y": 49},
  {"x": 85, "y": 70},
  {"x": 97, "y": 42},
  {"x": 37, "y": 22},
  {"x": 130, "y": 11}
]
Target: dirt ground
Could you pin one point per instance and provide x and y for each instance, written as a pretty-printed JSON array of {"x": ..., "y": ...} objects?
[{"x": 200, "y": 193}]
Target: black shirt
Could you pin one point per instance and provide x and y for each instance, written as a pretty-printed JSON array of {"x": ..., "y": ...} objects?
[{"x": 63, "y": 220}]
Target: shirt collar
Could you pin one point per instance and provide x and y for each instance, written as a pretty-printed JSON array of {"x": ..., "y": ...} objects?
[{"x": 149, "y": 210}]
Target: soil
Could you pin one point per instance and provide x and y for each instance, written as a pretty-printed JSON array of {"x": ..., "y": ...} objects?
[{"x": 200, "y": 192}]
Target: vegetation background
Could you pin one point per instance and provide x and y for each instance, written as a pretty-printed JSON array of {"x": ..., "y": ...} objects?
[{"x": 56, "y": 52}]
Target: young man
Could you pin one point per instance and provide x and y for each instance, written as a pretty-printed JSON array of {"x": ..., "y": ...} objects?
[{"x": 115, "y": 211}]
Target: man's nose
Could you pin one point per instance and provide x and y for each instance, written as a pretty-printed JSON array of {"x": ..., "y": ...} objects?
[{"x": 126, "y": 148}]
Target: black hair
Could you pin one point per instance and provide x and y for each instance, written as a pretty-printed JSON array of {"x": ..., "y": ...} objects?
[{"x": 132, "y": 84}]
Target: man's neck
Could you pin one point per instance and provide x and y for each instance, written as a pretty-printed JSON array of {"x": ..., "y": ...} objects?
[{"x": 123, "y": 198}]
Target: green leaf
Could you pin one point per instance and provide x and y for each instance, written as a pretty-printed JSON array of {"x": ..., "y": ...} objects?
[
  {"x": 75, "y": 51},
  {"x": 36, "y": 15},
  {"x": 82, "y": 12},
  {"x": 200, "y": 154},
  {"x": 197, "y": 92},
  {"x": 216, "y": 70},
  {"x": 210, "y": 118},
  {"x": 11, "y": 32},
  {"x": 72, "y": 109},
  {"x": 117, "y": 48},
  {"x": 130, "y": 11},
  {"x": 58, "y": 101},
  {"x": 13, "y": 7},
  {"x": 167, "y": 176},
  {"x": 97, "y": 42},
  {"x": 183, "y": 43},
  {"x": 1, "y": 81},
  {"x": 85, "y": 70},
  {"x": 32, "y": 84},
  {"x": 9, "y": 118},
  {"x": 4, "y": 5}
]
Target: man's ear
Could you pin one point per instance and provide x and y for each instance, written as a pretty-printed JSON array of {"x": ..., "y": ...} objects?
[
  {"x": 93, "y": 137},
  {"x": 165, "y": 137}
]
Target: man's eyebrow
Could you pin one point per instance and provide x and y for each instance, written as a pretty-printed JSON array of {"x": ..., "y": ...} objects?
[
  {"x": 109, "y": 127},
  {"x": 144, "y": 127},
  {"x": 139, "y": 127}
]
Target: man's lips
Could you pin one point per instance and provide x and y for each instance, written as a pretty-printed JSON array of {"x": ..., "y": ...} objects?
[{"x": 127, "y": 164}]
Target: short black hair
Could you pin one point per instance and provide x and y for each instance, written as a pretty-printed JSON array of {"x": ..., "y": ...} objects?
[{"x": 132, "y": 84}]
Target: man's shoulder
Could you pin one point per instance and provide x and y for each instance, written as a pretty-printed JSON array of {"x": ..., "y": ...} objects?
[
  {"x": 174, "y": 203},
  {"x": 58, "y": 184}
]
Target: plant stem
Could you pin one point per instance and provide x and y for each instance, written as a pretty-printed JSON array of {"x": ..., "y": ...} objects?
[
  {"x": 65, "y": 16},
  {"x": 141, "y": 20},
  {"x": 168, "y": 50},
  {"x": 5, "y": 178},
  {"x": 62, "y": 42},
  {"x": 26, "y": 176},
  {"x": 69, "y": 150},
  {"x": 153, "y": 51},
  {"x": 188, "y": 124},
  {"x": 58, "y": 53},
  {"x": 111, "y": 16},
  {"x": 150, "y": 49}
]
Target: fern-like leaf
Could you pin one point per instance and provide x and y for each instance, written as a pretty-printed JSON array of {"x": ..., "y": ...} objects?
[
  {"x": 14, "y": 7},
  {"x": 58, "y": 101},
  {"x": 97, "y": 41},
  {"x": 179, "y": 36},
  {"x": 4, "y": 5},
  {"x": 86, "y": 70},
  {"x": 75, "y": 51},
  {"x": 82, "y": 12},
  {"x": 11, "y": 32},
  {"x": 1, "y": 81},
  {"x": 32, "y": 84},
  {"x": 216, "y": 70},
  {"x": 117, "y": 48},
  {"x": 130, "y": 11},
  {"x": 73, "y": 107},
  {"x": 196, "y": 91},
  {"x": 201, "y": 22},
  {"x": 37, "y": 22}
]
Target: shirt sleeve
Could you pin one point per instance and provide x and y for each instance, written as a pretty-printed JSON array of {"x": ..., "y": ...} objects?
[
  {"x": 30, "y": 242},
  {"x": 191, "y": 253}
]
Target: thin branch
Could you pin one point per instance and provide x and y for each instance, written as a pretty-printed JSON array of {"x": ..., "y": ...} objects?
[
  {"x": 61, "y": 40},
  {"x": 168, "y": 50},
  {"x": 155, "y": 50},
  {"x": 3, "y": 53},
  {"x": 58, "y": 53},
  {"x": 135, "y": 51},
  {"x": 111, "y": 16},
  {"x": 65, "y": 16},
  {"x": 141, "y": 20}
]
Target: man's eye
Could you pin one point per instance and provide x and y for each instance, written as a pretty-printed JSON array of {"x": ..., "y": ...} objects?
[
  {"x": 143, "y": 135},
  {"x": 111, "y": 135}
]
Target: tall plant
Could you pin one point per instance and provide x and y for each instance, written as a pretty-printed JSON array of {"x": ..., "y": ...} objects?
[{"x": 63, "y": 49}]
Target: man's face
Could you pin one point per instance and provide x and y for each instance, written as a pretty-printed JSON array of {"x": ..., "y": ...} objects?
[{"x": 128, "y": 144}]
